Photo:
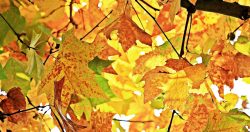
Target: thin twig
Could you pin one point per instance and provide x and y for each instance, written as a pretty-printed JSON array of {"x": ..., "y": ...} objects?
[
  {"x": 138, "y": 16},
  {"x": 53, "y": 11},
  {"x": 16, "y": 34},
  {"x": 57, "y": 119},
  {"x": 171, "y": 121},
  {"x": 144, "y": 2},
  {"x": 133, "y": 121},
  {"x": 97, "y": 25},
  {"x": 159, "y": 28},
  {"x": 20, "y": 111},
  {"x": 190, "y": 26}
]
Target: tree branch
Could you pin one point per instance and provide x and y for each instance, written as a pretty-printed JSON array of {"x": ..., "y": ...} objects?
[
  {"x": 221, "y": 7},
  {"x": 16, "y": 34},
  {"x": 171, "y": 121},
  {"x": 133, "y": 121}
]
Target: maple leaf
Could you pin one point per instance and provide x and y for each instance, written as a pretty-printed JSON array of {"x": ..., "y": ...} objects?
[
  {"x": 72, "y": 63},
  {"x": 227, "y": 64},
  {"x": 127, "y": 34}
]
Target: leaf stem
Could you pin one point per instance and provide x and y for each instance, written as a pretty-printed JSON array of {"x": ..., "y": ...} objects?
[{"x": 97, "y": 25}]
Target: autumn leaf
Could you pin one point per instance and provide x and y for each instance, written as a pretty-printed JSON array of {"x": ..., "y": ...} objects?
[
  {"x": 14, "y": 18},
  {"x": 73, "y": 58},
  {"x": 2, "y": 73},
  {"x": 16, "y": 77},
  {"x": 101, "y": 121},
  {"x": 227, "y": 64},
  {"x": 14, "y": 102},
  {"x": 164, "y": 20},
  {"x": 4, "y": 6},
  {"x": 127, "y": 34}
]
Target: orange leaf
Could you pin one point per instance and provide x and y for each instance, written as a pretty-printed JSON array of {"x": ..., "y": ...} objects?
[
  {"x": 101, "y": 121},
  {"x": 197, "y": 120},
  {"x": 127, "y": 34},
  {"x": 177, "y": 64},
  {"x": 164, "y": 21}
]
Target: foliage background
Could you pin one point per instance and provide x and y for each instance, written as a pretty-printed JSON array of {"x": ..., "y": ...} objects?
[{"x": 97, "y": 64}]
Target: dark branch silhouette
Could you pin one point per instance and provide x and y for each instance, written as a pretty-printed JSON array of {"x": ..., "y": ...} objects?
[{"x": 221, "y": 7}]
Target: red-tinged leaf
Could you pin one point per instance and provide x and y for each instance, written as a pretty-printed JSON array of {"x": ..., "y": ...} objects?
[
  {"x": 198, "y": 119},
  {"x": 17, "y": 97},
  {"x": 58, "y": 91},
  {"x": 164, "y": 20},
  {"x": 127, "y": 34},
  {"x": 226, "y": 65},
  {"x": 196, "y": 73},
  {"x": 109, "y": 69},
  {"x": 107, "y": 49},
  {"x": 14, "y": 102},
  {"x": 177, "y": 64},
  {"x": 15, "y": 51},
  {"x": 72, "y": 63}
]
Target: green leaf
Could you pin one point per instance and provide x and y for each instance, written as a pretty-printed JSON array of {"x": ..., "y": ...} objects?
[
  {"x": 15, "y": 20},
  {"x": 97, "y": 65},
  {"x": 35, "y": 65},
  {"x": 103, "y": 84},
  {"x": 15, "y": 72},
  {"x": 83, "y": 106},
  {"x": 2, "y": 73}
]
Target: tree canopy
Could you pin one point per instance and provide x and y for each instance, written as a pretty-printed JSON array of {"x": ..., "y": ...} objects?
[{"x": 104, "y": 65}]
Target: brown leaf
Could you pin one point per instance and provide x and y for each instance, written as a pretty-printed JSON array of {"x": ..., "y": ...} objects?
[
  {"x": 177, "y": 64},
  {"x": 127, "y": 34},
  {"x": 15, "y": 101}
]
